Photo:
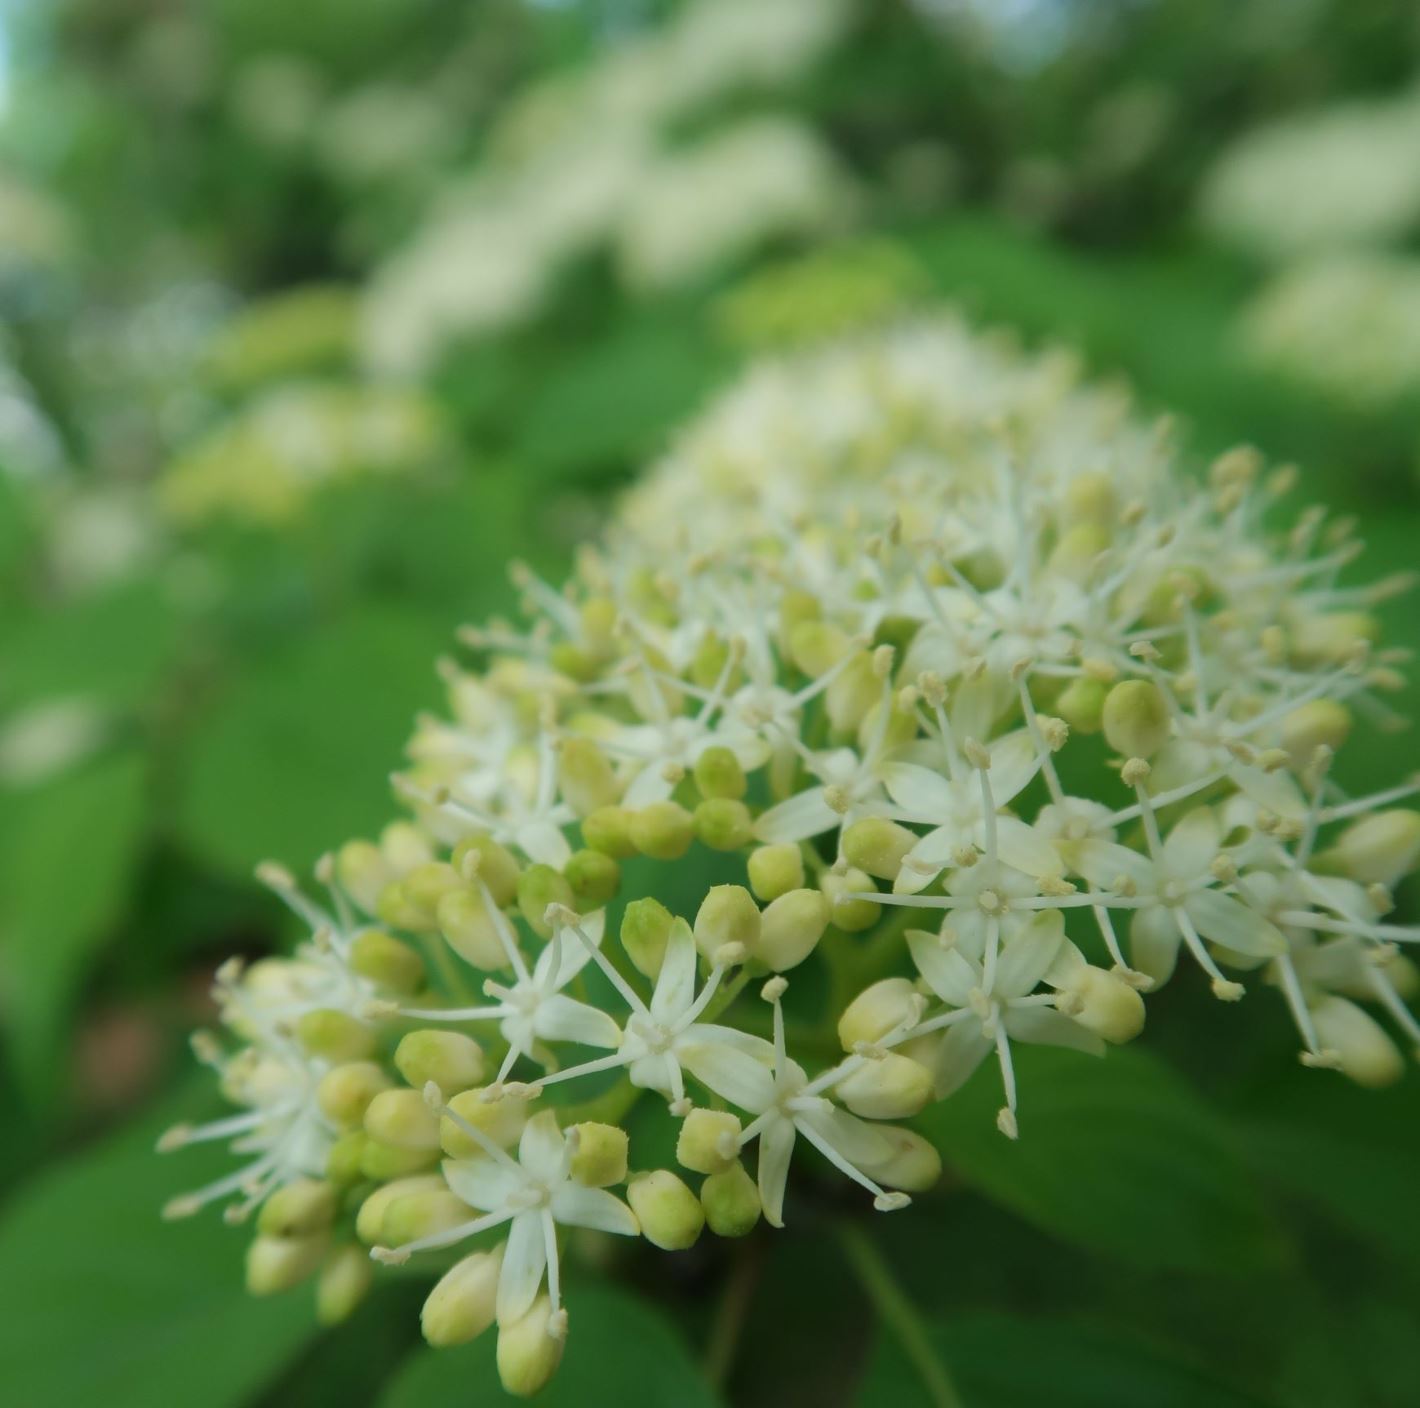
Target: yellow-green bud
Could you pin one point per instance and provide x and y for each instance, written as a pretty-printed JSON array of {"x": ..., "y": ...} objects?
[
  {"x": 876, "y": 1011},
  {"x": 891, "y": 1087},
  {"x": 342, "y": 1165},
  {"x": 402, "y": 1118},
  {"x": 387, "y": 962},
  {"x": 911, "y": 1164},
  {"x": 1333, "y": 638},
  {"x": 345, "y": 1091},
  {"x": 1078, "y": 549},
  {"x": 587, "y": 779},
  {"x": 344, "y": 1282},
  {"x": 538, "y": 887},
  {"x": 396, "y": 909},
  {"x": 727, "y": 915},
  {"x": 877, "y": 845},
  {"x": 608, "y": 830},
  {"x": 1081, "y": 704},
  {"x": 502, "y": 1120},
  {"x": 530, "y": 1349},
  {"x": 381, "y": 1161},
  {"x": 470, "y": 930},
  {"x": 594, "y": 877},
  {"x": 370, "y": 1220},
  {"x": 795, "y": 607},
  {"x": 816, "y": 647},
  {"x": 404, "y": 846},
  {"x": 709, "y": 660},
  {"x": 850, "y": 915},
  {"x": 1320, "y": 723},
  {"x": 363, "y": 873},
  {"x": 425, "y": 1214},
  {"x": 645, "y": 928},
  {"x": 723, "y": 824},
  {"x": 426, "y": 885},
  {"x": 1104, "y": 1003},
  {"x": 1379, "y": 849},
  {"x": 731, "y": 1202},
  {"x": 662, "y": 830},
  {"x": 669, "y": 1213},
  {"x": 790, "y": 929},
  {"x": 1361, "y": 1045},
  {"x": 451, "y": 1060},
  {"x": 480, "y": 857},
  {"x": 276, "y": 1264},
  {"x": 1135, "y": 718},
  {"x": 1090, "y": 498},
  {"x": 337, "y": 1036},
  {"x": 775, "y": 870},
  {"x": 600, "y": 1159},
  {"x": 461, "y": 1306},
  {"x": 709, "y": 1141},
  {"x": 298, "y": 1209},
  {"x": 853, "y": 693},
  {"x": 718, "y": 773}
]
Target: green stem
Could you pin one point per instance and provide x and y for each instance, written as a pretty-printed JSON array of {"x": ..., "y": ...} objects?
[
  {"x": 896, "y": 1311},
  {"x": 731, "y": 1313}
]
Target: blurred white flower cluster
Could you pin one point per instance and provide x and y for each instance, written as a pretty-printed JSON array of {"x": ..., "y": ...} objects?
[
  {"x": 921, "y": 663},
  {"x": 1335, "y": 178},
  {"x": 591, "y": 162}
]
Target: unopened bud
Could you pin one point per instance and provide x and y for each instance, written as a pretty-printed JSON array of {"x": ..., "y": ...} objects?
[
  {"x": 1365, "y": 1052},
  {"x": 369, "y": 1221},
  {"x": 718, "y": 773},
  {"x": 600, "y": 1157},
  {"x": 816, "y": 647},
  {"x": 587, "y": 778},
  {"x": 538, "y": 887},
  {"x": 530, "y": 1349},
  {"x": 1135, "y": 718},
  {"x": 345, "y": 1091},
  {"x": 1081, "y": 704},
  {"x": 335, "y": 1035},
  {"x": 380, "y": 1161},
  {"x": 876, "y": 1011},
  {"x": 342, "y": 1164},
  {"x": 425, "y": 886},
  {"x": 1379, "y": 849},
  {"x": 1104, "y": 1003},
  {"x": 594, "y": 877},
  {"x": 775, "y": 870},
  {"x": 501, "y": 1120},
  {"x": 723, "y": 824},
  {"x": 482, "y": 858},
  {"x": 1320, "y": 723},
  {"x": 669, "y": 1213},
  {"x": 422, "y": 1214},
  {"x": 608, "y": 830},
  {"x": 387, "y": 962},
  {"x": 471, "y": 930},
  {"x": 345, "y": 1280},
  {"x": 790, "y": 929},
  {"x": 403, "y": 1119},
  {"x": 709, "y": 1141},
  {"x": 911, "y": 1164},
  {"x": 850, "y": 915},
  {"x": 662, "y": 830},
  {"x": 727, "y": 915},
  {"x": 645, "y": 929},
  {"x": 363, "y": 873},
  {"x": 275, "y": 1264},
  {"x": 461, "y": 1306},
  {"x": 892, "y": 1087},
  {"x": 298, "y": 1209},
  {"x": 851, "y": 696},
  {"x": 731, "y": 1202},
  {"x": 877, "y": 845},
  {"x": 451, "y": 1060}
]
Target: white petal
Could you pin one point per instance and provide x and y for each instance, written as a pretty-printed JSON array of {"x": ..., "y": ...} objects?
[
  {"x": 958, "y": 1054},
  {"x": 796, "y": 819},
  {"x": 1023, "y": 848},
  {"x": 1193, "y": 843},
  {"x": 922, "y": 864},
  {"x": 543, "y": 842},
  {"x": 856, "y": 1139},
  {"x": 1227, "y": 921},
  {"x": 951, "y": 976},
  {"x": 926, "y": 794},
  {"x": 650, "y": 785},
  {"x": 524, "y": 1261},
  {"x": 1154, "y": 937},
  {"x": 576, "y": 1206},
  {"x": 675, "y": 983},
  {"x": 1047, "y": 1027},
  {"x": 1028, "y": 955},
  {"x": 541, "y": 1145},
  {"x": 562, "y": 1018},
  {"x": 1103, "y": 862},
  {"x": 730, "y": 1073},
  {"x": 1014, "y": 761},
  {"x": 776, "y": 1147},
  {"x": 1274, "y": 791},
  {"x": 482, "y": 1183}
]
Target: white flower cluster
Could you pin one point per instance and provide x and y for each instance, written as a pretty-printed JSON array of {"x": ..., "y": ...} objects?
[
  {"x": 1335, "y": 178},
  {"x": 589, "y": 162},
  {"x": 1346, "y": 324},
  {"x": 980, "y": 714}
]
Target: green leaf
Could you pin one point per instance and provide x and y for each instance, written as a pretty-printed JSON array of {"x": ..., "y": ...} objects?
[
  {"x": 1116, "y": 1154},
  {"x": 68, "y": 853},
  {"x": 296, "y": 756},
  {"x": 619, "y": 1351},
  {"x": 1010, "y": 1361},
  {"x": 106, "y": 1304}
]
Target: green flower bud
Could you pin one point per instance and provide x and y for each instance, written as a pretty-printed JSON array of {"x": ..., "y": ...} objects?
[
  {"x": 425, "y": 886},
  {"x": 1090, "y": 498},
  {"x": 502, "y": 1120},
  {"x": 709, "y": 1141},
  {"x": 396, "y": 909},
  {"x": 891, "y": 1087},
  {"x": 481, "y": 858},
  {"x": 1104, "y": 1003},
  {"x": 876, "y": 1011},
  {"x": 775, "y": 870},
  {"x": 877, "y": 845},
  {"x": 402, "y": 1118},
  {"x": 853, "y": 693},
  {"x": 1332, "y": 638},
  {"x": 1360, "y": 1043},
  {"x": 345, "y": 1281},
  {"x": 469, "y": 929},
  {"x": 538, "y": 887},
  {"x": 381, "y": 1161},
  {"x": 275, "y": 1264},
  {"x": 298, "y": 1209},
  {"x": 727, "y": 915},
  {"x": 608, "y": 830},
  {"x": 461, "y": 1305},
  {"x": 731, "y": 1202},
  {"x": 345, "y": 1091},
  {"x": 645, "y": 929},
  {"x": 912, "y": 1164},
  {"x": 852, "y": 916},
  {"x": 723, "y": 825},
  {"x": 594, "y": 877},
  {"x": 404, "y": 847},
  {"x": 530, "y": 1349},
  {"x": 718, "y": 773},
  {"x": 1135, "y": 719},
  {"x": 587, "y": 779},
  {"x": 1380, "y": 849},
  {"x": 363, "y": 873},
  {"x": 370, "y": 1220},
  {"x": 663, "y": 830},
  {"x": 342, "y": 1165},
  {"x": 336, "y": 1036},
  {"x": 387, "y": 962},
  {"x": 795, "y": 608},
  {"x": 1081, "y": 704},
  {"x": 1078, "y": 550},
  {"x": 790, "y": 929},
  {"x": 601, "y": 1154},
  {"x": 669, "y": 1213},
  {"x": 424, "y": 1214},
  {"x": 451, "y": 1060},
  {"x": 816, "y": 647},
  {"x": 1320, "y": 723},
  {"x": 707, "y": 666}
]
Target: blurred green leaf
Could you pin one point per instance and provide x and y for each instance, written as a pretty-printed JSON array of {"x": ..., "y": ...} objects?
[
  {"x": 296, "y": 756},
  {"x": 68, "y": 853},
  {"x": 1116, "y": 1154},
  {"x": 1018, "y": 1361},
  {"x": 619, "y": 1351},
  {"x": 105, "y": 1304}
]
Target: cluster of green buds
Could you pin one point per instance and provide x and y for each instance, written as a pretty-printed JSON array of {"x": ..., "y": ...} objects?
[{"x": 914, "y": 708}]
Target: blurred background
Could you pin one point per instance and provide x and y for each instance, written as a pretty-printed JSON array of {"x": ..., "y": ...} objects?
[{"x": 314, "y": 315}]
